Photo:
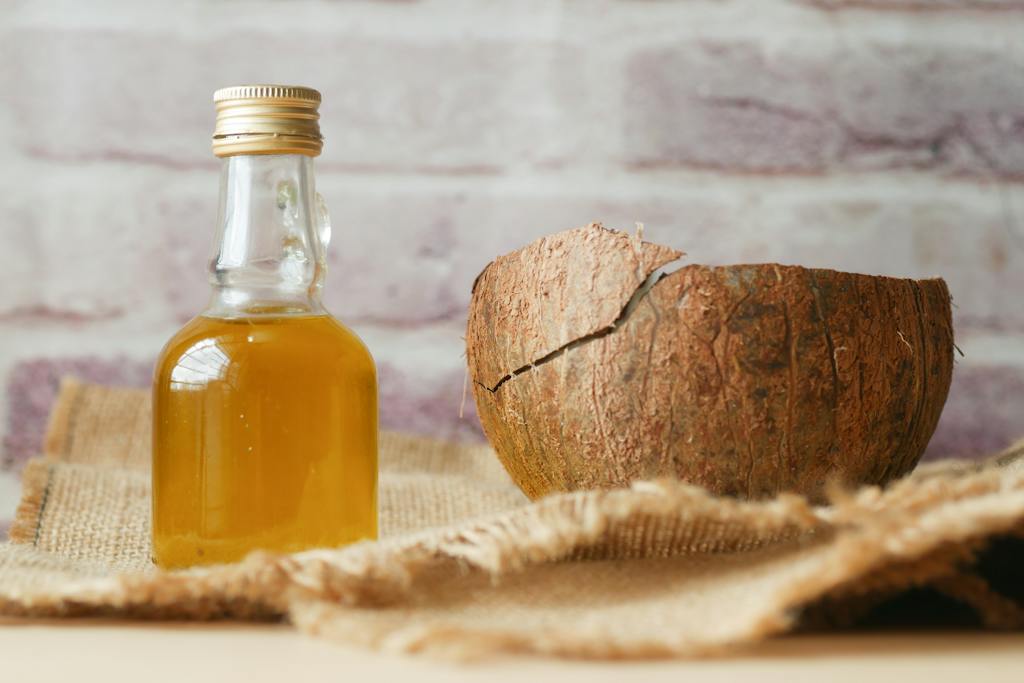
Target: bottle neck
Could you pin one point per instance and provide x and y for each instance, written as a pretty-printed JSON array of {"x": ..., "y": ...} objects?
[{"x": 272, "y": 235}]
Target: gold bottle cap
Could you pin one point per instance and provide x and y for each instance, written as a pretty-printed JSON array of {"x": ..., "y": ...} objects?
[{"x": 267, "y": 119}]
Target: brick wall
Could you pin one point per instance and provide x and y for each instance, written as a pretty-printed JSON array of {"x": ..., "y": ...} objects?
[{"x": 873, "y": 135}]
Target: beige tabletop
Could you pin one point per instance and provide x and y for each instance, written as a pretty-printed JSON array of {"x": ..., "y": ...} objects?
[{"x": 87, "y": 650}]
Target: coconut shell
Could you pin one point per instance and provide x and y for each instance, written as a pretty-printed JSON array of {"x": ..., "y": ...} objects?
[{"x": 747, "y": 380}]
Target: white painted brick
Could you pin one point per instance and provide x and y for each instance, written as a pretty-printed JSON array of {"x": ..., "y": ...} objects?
[
  {"x": 818, "y": 105},
  {"x": 77, "y": 246},
  {"x": 982, "y": 414},
  {"x": 402, "y": 255},
  {"x": 466, "y": 106},
  {"x": 929, "y": 5},
  {"x": 788, "y": 91},
  {"x": 134, "y": 242}
]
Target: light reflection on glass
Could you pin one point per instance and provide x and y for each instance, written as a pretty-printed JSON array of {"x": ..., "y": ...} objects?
[{"x": 203, "y": 363}]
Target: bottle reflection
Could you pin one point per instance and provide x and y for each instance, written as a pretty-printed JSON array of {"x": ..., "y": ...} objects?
[{"x": 200, "y": 364}]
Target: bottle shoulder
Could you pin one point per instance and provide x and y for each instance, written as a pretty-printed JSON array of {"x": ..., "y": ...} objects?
[
  {"x": 350, "y": 336},
  {"x": 184, "y": 338},
  {"x": 258, "y": 340}
]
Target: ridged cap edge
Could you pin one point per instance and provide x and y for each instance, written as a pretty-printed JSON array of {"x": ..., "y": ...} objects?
[{"x": 265, "y": 91}]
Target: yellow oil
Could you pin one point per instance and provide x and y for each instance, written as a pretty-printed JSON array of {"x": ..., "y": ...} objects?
[{"x": 264, "y": 437}]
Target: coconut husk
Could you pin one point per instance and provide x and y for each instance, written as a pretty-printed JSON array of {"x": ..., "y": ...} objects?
[{"x": 745, "y": 380}]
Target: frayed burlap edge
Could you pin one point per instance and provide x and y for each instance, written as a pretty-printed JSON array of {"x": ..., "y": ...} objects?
[
  {"x": 34, "y": 486},
  {"x": 915, "y": 533},
  {"x": 918, "y": 550},
  {"x": 922, "y": 531},
  {"x": 36, "y": 473}
]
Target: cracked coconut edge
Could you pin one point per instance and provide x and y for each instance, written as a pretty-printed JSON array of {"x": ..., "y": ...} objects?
[{"x": 634, "y": 301}]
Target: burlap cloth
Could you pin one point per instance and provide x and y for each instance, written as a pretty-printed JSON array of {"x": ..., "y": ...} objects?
[{"x": 467, "y": 565}]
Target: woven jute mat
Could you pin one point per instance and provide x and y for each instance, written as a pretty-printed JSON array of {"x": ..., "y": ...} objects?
[{"x": 468, "y": 566}]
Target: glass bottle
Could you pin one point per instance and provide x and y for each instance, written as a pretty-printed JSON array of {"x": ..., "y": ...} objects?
[{"x": 264, "y": 406}]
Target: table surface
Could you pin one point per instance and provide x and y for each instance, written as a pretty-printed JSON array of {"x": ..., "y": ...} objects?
[{"x": 91, "y": 650}]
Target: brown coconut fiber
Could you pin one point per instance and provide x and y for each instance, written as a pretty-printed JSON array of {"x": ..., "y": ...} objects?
[
  {"x": 468, "y": 566},
  {"x": 591, "y": 369}
]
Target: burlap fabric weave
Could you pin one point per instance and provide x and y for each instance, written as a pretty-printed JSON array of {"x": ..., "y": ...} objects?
[{"x": 467, "y": 565}]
